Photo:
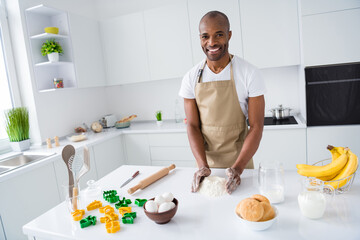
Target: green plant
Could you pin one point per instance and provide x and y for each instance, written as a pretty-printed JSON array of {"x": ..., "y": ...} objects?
[
  {"x": 17, "y": 124},
  {"x": 51, "y": 46},
  {"x": 158, "y": 115}
]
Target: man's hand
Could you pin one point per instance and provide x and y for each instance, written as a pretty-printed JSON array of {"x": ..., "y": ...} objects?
[
  {"x": 198, "y": 177},
  {"x": 233, "y": 180}
]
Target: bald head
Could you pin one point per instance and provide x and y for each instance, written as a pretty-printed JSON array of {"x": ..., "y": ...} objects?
[{"x": 220, "y": 17}]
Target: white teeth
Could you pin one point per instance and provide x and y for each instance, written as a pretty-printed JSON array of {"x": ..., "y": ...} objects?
[{"x": 213, "y": 50}]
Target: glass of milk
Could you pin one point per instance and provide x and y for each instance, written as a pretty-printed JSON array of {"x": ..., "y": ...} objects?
[
  {"x": 271, "y": 181},
  {"x": 312, "y": 199}
]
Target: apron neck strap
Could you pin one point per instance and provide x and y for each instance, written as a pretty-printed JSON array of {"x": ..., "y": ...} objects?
[{"x": 201, "y": 70}]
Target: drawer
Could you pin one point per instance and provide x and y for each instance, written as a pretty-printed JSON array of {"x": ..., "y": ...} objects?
[
  {"x": 177, "y": 163},
  {"x": 171, "y": 154},
  {"x": 168, "y": 140}
]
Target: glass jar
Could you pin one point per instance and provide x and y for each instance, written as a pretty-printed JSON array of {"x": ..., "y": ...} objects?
[{"x": 92, "y": 193}]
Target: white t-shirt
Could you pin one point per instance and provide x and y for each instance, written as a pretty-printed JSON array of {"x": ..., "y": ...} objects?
[{"x": 248, "y": 81}]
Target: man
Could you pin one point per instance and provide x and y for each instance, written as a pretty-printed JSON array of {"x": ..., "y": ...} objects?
[{"x": 219, "y": 94}]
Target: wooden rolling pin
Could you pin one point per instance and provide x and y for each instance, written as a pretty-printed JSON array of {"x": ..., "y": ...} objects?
[{"x": 151, "y": 179}]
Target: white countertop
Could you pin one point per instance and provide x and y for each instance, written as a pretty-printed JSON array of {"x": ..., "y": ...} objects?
[
  {"x": 136, "y": 127},
  {"x": 200, "y": 217}
]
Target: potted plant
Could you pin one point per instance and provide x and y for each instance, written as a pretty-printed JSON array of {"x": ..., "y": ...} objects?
[
  {"x": 158, "y": 116},
  {"x": 52, "y": 49},
  {"x": 17, "y": 128}
]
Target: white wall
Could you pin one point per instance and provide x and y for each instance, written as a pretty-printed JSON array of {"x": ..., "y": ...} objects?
[
  {"x": 282, "y": 88},
  {"x": 144, "y": 99}
]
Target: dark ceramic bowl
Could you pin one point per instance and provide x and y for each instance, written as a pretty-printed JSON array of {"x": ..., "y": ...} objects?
[{"x": 164, "y": 217}]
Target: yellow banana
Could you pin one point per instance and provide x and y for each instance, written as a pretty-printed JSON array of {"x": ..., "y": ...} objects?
[
  {"x": 322, "y": 171},
  {"x": 349, "y": 169},
  {"x": 335, "y": 151},
  {"x": 330, "y": 177}
]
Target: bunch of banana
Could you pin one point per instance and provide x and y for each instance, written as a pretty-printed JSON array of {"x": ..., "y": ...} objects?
[{"x": 344, "y": 163}]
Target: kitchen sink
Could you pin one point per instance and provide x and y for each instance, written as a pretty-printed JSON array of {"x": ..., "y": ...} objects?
[{"x": 20, "y": 160}]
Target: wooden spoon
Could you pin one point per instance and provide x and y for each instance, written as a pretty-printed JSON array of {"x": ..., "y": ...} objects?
[{"x": 68, "y": 153}]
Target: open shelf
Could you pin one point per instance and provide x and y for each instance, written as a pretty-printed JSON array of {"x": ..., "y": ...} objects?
[
  {"x": 52, "y": 64},
  {"x": 37, "y": 19},
  {"x": 48, "y": 36}
]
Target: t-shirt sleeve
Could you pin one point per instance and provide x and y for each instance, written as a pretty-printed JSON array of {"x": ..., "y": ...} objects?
[
  {"x": 256, "y": 84},
  {"x": 187, "y": 89}
]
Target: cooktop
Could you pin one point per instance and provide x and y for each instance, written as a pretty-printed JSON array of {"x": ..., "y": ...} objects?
[{"x": 273, "y": 121}]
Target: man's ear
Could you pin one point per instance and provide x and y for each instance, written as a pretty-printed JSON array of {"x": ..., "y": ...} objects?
[{"x": 230, "y": 34}]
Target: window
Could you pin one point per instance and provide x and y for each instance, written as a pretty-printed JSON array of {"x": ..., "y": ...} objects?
[{"x": 8, "y": 84}]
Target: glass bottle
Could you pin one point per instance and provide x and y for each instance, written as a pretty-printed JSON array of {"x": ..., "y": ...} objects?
[{"x": 178, "y": 117}]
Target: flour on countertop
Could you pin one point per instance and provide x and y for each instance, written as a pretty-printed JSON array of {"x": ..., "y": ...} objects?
[{"x": 213, "y": 186}]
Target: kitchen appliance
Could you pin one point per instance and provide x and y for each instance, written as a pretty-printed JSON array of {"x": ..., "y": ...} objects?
[
  {"x": 332, "y": 94},
  {"x": 280, "y": 112},
  {"x": 273, "y": 121},
  {"x": 108, "y": 121}
]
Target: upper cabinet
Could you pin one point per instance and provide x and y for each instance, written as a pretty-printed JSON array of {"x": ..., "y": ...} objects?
[
  {"x": 88, "y": 58},
  {"x": 322, "y": 6},
  {"x": 37, "y": 19},
  {"x": 197, "y": 9},
  {"x": 331, "y": 37},
  {"x": 270, "y": 32},
  {"x": 124, "y": 46},
  {"x": 168, "y": 41}
]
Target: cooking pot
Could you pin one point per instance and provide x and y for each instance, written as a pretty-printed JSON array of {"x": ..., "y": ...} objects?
[{"x": 280, "y": 112}]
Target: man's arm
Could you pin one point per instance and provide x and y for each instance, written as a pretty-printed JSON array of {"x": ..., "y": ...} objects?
[
  {"x": 256, "y": 108},
  {"x": 194, "y": 133}
]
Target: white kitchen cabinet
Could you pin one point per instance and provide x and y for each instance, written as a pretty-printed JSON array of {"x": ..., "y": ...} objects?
[
  {"x": 108, "y": 155},
  {"x": 285, "y": 145},
  {"x": 137, "y": 149},
  {"x": 168, "y": 148},
  {"x": 331, "y": 37},
  {"x": 270, "y": 32},
  {"x": 124, "y": 47},
  {"x": 168, "y": 41},
  {"x": 88, "y": 56},
  {"x": 63, "y": 177},
  {"x": 322, "y": 6},
  {"x": 318, "y": 138},
  {"x": 37, "y": 18},
  {"x": 197, "y": 9},
  {"x": 25, "y": 197}
]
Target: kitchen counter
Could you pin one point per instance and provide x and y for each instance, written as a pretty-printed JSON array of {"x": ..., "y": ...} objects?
[
  {"x": 136, "y": 127},
  {"x": 200, "y": 217}
]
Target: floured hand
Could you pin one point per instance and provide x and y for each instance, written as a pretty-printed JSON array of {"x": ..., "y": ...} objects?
[
  {"x": 199, "y": 175},
  {"x": 233, "y": 180}
]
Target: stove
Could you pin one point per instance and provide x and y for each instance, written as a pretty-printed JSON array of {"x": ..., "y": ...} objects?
[{"x": 273, "y": 121}]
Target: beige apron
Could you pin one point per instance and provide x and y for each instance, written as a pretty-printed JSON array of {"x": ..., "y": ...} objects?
[{"x": 223, "y": 124}]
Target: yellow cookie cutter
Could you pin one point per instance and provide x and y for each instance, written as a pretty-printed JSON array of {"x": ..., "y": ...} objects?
[
  {"x": 112, "y": 226},
  {"x": 78, "y": 214},
  {"x": 112, "y": 216},
  {"x": 105, "y": 219},
  {"x": 94, "y": 205},
  {"x": 106, "y": 209},
  {"x": 124, "y": 210}
]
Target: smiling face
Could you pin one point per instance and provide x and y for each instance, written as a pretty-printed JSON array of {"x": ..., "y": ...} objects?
[{"x": 214, "y": 37}]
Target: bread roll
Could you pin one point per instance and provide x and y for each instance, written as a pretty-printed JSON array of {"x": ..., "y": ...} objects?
[
  {"x": 269, "y": 212},
  {"x": 251, "y": 209},
  {"x": 260, "y": 198}
]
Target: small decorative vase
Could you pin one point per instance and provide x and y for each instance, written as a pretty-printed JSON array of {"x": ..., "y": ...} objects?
[
  {"x": 53, "y": 57},
  {"x": 20, "y": 146},
  {"x": 159, "y": 123}
]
